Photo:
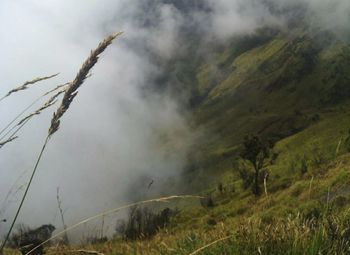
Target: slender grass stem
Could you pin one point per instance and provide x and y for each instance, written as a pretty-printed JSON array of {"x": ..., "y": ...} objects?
[
  {"x": 27, "y": 108},
  {"x": 68, "y": 97},
  {"x": 24, "y": 195},
  {"x": 26, "y": 85},
  {"x": 210, "y": 244},
  {"x": 17, "y": 117}
]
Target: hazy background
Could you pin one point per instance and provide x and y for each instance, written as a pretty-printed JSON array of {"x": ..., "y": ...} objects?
[{"x": 116, "y": 138}]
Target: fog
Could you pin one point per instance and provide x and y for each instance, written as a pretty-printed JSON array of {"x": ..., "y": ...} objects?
[{"x": 115, "y": 138}]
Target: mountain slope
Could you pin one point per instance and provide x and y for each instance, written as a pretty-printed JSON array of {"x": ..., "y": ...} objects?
[
  {"x": 291, "y": 88},
  {"x": 295, "y": 90},
  {"x": 275, "y": 90}
]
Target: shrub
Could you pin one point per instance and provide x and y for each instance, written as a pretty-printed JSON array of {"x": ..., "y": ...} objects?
[
  {"x": 142, "y": 223},
  {"x": 245, "y": 174},
  {"x": 303, "y": 165},
  {"x": 221, "y": 188},
  {"x": 207, "y": 202},
  {"x": 25, "y": 239},
  {"x": 340, "y": 201}
]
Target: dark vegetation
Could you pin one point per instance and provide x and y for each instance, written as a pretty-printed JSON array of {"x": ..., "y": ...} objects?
[
  {"x": 142, "y": 223},
  {"x": 258, "y": 154},
  {"x": 26, "y": 239}
]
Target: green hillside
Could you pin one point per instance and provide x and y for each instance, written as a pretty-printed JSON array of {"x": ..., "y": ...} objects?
[
  {"x": 283, "y": 87},
  {"x": 292, "y": 89}
]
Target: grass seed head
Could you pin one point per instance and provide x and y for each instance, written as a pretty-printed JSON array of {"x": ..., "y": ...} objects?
[
  {"x": 83, "y": 73},
  {"x": 27, "y": 83}
]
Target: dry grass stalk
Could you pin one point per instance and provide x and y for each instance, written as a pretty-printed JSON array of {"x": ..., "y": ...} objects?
[
  {"x": 89, "y": 252},
  {"x": 80, "y": 251},
  {"x": 310, "y": 186},
  {"x": 14, "y": 132},
  {"x": 27, "y": 83},
  {"x": 12, "y": 192},
  {"x": 162, "y": 199},
  {"x": 8, "y": 141},
  {"x": 59, "y": 204},
  {"x": 52, "y": 100},
  {"x": 29, "y": 106},
  {"x": 56, "y": 88},
  {"x": 211, "y": 244},
  {"x": 78, "y": 81},
  {"x": 68, "y": 97},
  {"x": 338, "y": 146},
  {"x": 24, "y": 121}
]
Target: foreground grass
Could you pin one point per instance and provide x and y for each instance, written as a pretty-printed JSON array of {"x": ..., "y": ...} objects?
[
  {"x": 293, "y": 235},
  {"x": 304, "y": 212},
  {"x": 294, "y": 220}
]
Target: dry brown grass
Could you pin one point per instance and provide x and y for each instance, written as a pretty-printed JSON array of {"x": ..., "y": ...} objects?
[
  {"x": 52, "y": 100},
  {"x": 11, "y": 139},
  {"x": 199, "y": 250},
  {"x": 25, "y": 85}
]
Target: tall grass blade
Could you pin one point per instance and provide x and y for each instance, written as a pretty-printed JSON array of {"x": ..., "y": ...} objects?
[
  {"x": 68, "y": 97},
  {"x": 210, "y": 244}
]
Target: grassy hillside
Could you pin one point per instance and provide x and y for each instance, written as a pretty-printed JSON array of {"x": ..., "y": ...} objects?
[
  {"x": 275, "y": 90},
  {"x": 302, "y": 213},
  {"x": 293, "y": 89}
]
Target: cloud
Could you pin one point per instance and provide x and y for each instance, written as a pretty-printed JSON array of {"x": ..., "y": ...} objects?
[{"x": 232, "y": 17}]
